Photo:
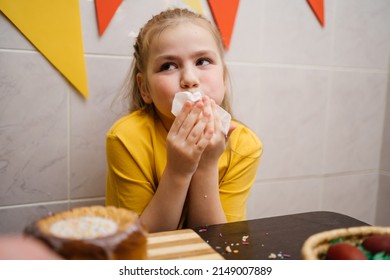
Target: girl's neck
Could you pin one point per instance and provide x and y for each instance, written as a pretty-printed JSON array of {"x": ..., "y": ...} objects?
[{"x": 166, "y": 122}]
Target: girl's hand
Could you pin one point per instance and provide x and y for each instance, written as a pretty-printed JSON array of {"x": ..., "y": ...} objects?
[
  {"x": 218, "y": 142},
  {"x": 188, "y": 137}
]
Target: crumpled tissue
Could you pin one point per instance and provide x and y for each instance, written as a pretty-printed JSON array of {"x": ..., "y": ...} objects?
[{"x": 182, "y": 96}]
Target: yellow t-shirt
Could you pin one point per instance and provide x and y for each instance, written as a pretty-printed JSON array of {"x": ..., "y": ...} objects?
[{"x": 136, "y": 158}]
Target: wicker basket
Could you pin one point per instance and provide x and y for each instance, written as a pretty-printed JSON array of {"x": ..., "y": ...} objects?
[{"x": 316, "y": 245}]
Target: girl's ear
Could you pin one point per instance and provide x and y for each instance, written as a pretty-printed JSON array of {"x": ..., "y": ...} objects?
[{"x": 143, "y": 89}]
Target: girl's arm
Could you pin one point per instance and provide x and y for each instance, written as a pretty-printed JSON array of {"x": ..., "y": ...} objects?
[
  {"x": 164, "y": 210},
  {"x": 204, "y": 200},
  {"x": 204, "y": 204},
  {"x": 186, "y": 141}
]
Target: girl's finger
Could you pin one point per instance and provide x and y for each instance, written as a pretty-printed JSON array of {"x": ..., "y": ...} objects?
[
  {"x": 198, "y": 131},
  {"x": 208, "y": 112},
  {"x": 217, "y": 120},
  {"x": 204, "y": 141},
  {"x": 180, "y": 118},
  {"x": 231, "y": 128},
  {"x": 190, "y": 121}
]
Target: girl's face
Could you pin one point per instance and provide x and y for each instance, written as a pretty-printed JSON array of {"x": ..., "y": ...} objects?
[{"x": 183, "y": 58}]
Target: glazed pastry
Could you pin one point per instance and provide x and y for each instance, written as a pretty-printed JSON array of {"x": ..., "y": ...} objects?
[{"x": 94, "y": 232}]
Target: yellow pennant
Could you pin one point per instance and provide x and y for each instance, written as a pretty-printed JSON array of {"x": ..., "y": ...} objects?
[
  {"x": 195, "y": 4},
  {"x": 54, "y": 28}
]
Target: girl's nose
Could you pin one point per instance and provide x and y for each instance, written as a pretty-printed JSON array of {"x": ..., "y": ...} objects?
[{"x": 189, "y": 79}]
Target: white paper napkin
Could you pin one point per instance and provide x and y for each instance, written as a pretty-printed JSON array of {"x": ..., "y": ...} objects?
[{"x": 183, "y": 96}]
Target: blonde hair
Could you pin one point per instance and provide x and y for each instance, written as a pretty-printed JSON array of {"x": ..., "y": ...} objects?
[{"x": 151, "y": 30}]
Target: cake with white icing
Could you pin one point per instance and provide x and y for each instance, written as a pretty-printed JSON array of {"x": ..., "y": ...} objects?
[{"x": 94, "y": 232}]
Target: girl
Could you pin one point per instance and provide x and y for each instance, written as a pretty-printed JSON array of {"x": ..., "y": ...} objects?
[{"x": 180, "y": 171}]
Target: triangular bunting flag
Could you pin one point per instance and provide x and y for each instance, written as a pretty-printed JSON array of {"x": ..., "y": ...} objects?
[
  {"x": 105, "y": 10},
  {"x": 318, "y": 8},
  {"x": 195, "y": 4},
  {"x": 224, "y": 13},
  {"x": 54, "y": 28}
]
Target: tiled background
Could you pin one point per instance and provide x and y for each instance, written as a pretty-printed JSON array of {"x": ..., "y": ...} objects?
[{"x": 319, "y": 98}]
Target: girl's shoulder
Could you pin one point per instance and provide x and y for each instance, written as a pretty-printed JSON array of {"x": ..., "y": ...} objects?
[
  {"x": 135, "y": 122},
  {"x": 244, "y": 141}
]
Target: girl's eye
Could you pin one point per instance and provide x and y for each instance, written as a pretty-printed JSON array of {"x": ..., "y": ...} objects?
[
  {"x": 203, "y": 61},
  {"x": 167, "y": 66}
]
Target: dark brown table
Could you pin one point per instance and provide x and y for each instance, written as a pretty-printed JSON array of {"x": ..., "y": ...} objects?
[{"x": 278, "y": 237}]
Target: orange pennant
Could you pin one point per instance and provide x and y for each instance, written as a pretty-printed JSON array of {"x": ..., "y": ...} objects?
[
  {"x": 318, "y": 8},
  {"x": 105, "y": 10},
  {"x": 224, "y": 13}
]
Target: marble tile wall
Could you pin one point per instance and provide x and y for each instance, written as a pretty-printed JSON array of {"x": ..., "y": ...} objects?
[{"x": 318, "y": 98}]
